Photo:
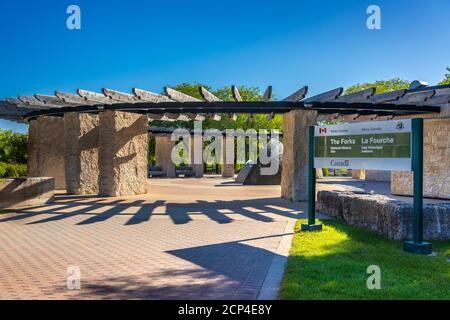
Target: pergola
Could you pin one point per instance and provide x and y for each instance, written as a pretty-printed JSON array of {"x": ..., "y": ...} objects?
[{"x": 175, "y": 105}]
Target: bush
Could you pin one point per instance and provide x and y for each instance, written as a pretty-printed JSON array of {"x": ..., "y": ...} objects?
[
  {"x": 16, "y": 170},
  {"x": 326, "y": 172}
]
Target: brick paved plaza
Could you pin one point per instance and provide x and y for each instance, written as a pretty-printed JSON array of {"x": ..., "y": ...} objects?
[{"x": 186, "y": 239}]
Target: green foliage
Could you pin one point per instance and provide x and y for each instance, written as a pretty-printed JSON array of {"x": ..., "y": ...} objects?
[
  {"x": 13, "y": 147},
  {"x": 332, "y": 264},
  {"x": 447, "y": 78},
  {"x": 8, "y": 170},
  {"x": 380, "y": 85}
]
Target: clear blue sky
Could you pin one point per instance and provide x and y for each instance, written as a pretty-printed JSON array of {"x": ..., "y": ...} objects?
[{"x": 149, "y": 44}]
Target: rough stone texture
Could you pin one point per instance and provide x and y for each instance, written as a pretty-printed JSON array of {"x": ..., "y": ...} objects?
[
  {"x": 123, "y": 151},
  {"x": 436, "y": 163},
  {"x": 163, "y": 151},
  {"x": 294, "y": 176},
  {"x": 358, "y": 174},
  {"x": 81, "y": 164},
  {"x": 378, "y": 175},
  {"x": 33, "y": 138},
  {"x": 227, "y": 157},
  {"x": 196, "y": 143},
  {"x": 22, "y": 192},
  {"x": 47, "y": 147},
  {"x": 383, "y": 215}
]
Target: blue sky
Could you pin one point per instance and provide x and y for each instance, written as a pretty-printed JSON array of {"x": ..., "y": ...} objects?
[{"x": 150, "y": 44}]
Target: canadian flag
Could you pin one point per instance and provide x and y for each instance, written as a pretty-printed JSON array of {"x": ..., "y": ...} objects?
[{"x": 322, "y": 130}]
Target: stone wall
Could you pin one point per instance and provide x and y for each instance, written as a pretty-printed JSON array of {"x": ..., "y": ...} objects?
[
  {"x": 47, "y": 149},
  {"x": 197, "y": 143},
  {"x": 294, "y": 175},
  {"x": 123, "y": 151},
  {"x": 81, "y": 164},
  {"x": 436, "y": 163},
  {"x": 385, "y": 216},
  {"x": 23, "y": 192},
  {"x": 378, "y": 175}
]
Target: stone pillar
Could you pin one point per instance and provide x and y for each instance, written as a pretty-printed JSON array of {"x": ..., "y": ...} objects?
[
  {"x": 46, "y": 148},
  {"x": 228, "y": 156},
  {"x": 294, "y": 175},
  {"x": 436, "y": 155},
  {"x": 81, "y": 139},
  {"x": 163, "y": 151},
  {"x": 33, "y": 138},
  {"x": 197, "y": 157},
  {"x": 123, "y": 151},
  {"x": 359, "y": 174}
]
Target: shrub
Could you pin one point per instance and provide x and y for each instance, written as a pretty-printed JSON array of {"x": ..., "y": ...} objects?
[{"x": 16, "y": 170}]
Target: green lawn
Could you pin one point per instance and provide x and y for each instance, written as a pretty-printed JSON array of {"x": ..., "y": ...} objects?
[{"x": 332, "y": 264}]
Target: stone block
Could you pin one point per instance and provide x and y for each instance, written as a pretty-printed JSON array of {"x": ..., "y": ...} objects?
[
  {"x": 81, "y": 135},
  {"x": 163, "y": 152},
  {"x": 294, "y": 175},
  {"x": 47, "y": 149},
  {"x": 123, "y": 152},
  {"x": 23, "y": 192},
  {"x": 383, "y": 215}
]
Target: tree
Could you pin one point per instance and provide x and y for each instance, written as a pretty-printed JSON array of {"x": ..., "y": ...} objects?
[
  {"x": 13, "y": 147},
  {"x": 447, "y": 78},
  {"x": 381, "y": 86}
]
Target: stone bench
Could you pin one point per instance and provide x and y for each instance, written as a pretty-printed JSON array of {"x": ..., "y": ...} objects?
[
  {"x": 383, "y": 215},
  {"x": 22, "y": 192}
]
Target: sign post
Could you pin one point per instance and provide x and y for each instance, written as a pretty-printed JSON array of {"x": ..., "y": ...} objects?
[
  {"x": 311, "y": 225},
  {"x": 417, "y": 245},
  {"x": 395, "y": 145}
]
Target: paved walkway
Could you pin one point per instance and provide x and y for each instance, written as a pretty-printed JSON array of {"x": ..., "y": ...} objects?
[{"x": 186, "y": 239}]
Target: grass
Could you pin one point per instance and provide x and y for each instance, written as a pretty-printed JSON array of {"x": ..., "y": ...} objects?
[{"x": 332, "y": 264}]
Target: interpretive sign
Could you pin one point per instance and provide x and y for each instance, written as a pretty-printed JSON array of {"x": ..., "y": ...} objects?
[{"x": 377, "y": 145}]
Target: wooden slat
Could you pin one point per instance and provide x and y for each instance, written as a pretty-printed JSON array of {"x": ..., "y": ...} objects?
[
  {"x": 119, "y": 96},
  {"x": 94, "y": 96},
  {"x": 298, "y": 95},
  {"x": 179, "y": 96},
  {"x": 437, "y": 100},
  {"x": 388, "y": 96},
  {"x": 326, "y": 96},
  {"x": 360, "y": 96},
  {"x": 72, "y": 98},
  {"x": 415, "y": 97},
  {"x": 32, "y": 101},
  {"x": 208, "y": 96},
  {"x": 145, "y": 95},
  {"x": 267, "y": 94},
  {"x": 235, "y": 93},
  {"x": 53, "y": 100}
]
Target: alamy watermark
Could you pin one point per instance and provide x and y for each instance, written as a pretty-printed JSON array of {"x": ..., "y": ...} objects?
[
  {"x": 228, "y": 147},
  {"x": 374, "y": 280},
  {"x": 373, "y": 22},
  {"x": 73, "y": 281},
  {"x": 73, "y": 21}
]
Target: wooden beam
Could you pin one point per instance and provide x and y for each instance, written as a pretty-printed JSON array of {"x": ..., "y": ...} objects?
[
  {"x": 53, "y": 100},
  {"x": 437, "y": 100},
  {"x": 235, "y": 93},
  {"x": 388, "y": 96},
  {"x": 267, "y": 94},
  {"x": 415, "y": 97},
  {"x": 72, "y": 98},
  {"x": 94, "y": 96},
  {"x": 179, "y": 96},
  {"x": 145, "y": 95},
  {"x": 208, "y": 96},
  {"x": 119, "y": 96},
  {"x": 35, "y": 103},
  {"x": 298, "y": 95},
  {"x": 326, "y": 96},
  {"x": 360, "y": 96}
]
